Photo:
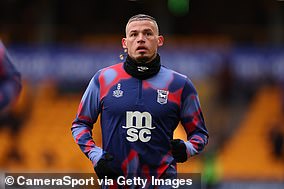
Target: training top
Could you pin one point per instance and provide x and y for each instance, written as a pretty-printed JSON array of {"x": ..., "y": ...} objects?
[
  {"x": 10, "y": 79},
  {"x": 138, "y": 118}
]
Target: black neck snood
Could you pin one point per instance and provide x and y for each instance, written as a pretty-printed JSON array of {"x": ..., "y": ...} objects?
[{"x": 142, "y": 70}]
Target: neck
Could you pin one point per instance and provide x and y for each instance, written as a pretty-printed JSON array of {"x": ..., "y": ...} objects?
[{"x": 142, "y": 69}]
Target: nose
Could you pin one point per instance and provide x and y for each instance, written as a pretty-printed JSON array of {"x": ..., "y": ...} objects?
[{"x": 140, "y": 38}]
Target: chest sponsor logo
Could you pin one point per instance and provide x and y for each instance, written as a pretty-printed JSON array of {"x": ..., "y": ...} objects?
[
  {"x": 162, "y": 96},
  {"x": 118, "y": 92},
  {"x": 138, "y": 126}
]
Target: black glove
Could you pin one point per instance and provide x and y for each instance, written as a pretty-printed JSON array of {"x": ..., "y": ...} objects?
[
  {"x": 103, "y": 168},
  {"x": 179, "y": 150}
]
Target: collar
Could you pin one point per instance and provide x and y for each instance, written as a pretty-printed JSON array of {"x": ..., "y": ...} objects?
[{"x": 142, "y": 70}]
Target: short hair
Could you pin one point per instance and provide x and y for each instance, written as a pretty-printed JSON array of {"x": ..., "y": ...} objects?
[{"x": 141, "y": 17}]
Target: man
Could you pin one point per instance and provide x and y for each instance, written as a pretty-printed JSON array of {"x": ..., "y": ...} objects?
[
  {"x": 140, "y": 103},
  {"x": 10, "y": 88},
  {"x": 10, "y": 80}
]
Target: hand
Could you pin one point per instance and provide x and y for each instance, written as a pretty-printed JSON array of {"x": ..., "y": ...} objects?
[
  {"x": 103, "y": 168},
  {"x": 179, "y": 150}
]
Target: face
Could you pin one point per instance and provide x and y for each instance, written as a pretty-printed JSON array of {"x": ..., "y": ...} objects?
[{"x": 142, "y": 40}]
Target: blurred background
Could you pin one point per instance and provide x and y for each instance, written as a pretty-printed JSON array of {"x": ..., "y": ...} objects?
[{"x": 233, "y": 51}]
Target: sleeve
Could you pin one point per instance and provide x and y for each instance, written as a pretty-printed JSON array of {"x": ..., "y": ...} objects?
[
  {"x": 87, "y": 115},
  {"x": 10, "y": 80},
  {"x": 192, "y": 120}
]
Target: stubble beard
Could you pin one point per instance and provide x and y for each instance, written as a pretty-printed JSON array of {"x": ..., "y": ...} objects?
[{"x": 144, "y": 59}]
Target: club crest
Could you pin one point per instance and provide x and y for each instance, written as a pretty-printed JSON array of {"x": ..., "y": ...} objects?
[
  {"x": 118, "y": 92},
  {"x": 162, "y": 97}
]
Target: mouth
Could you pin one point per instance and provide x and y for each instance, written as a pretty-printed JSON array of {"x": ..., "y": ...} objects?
[{"x": 141, "y": 49}]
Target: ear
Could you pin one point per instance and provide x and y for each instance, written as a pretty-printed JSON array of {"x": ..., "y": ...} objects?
[
  {"x": 123, "y": 42},
  {"x": 160, "y": 40}
]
